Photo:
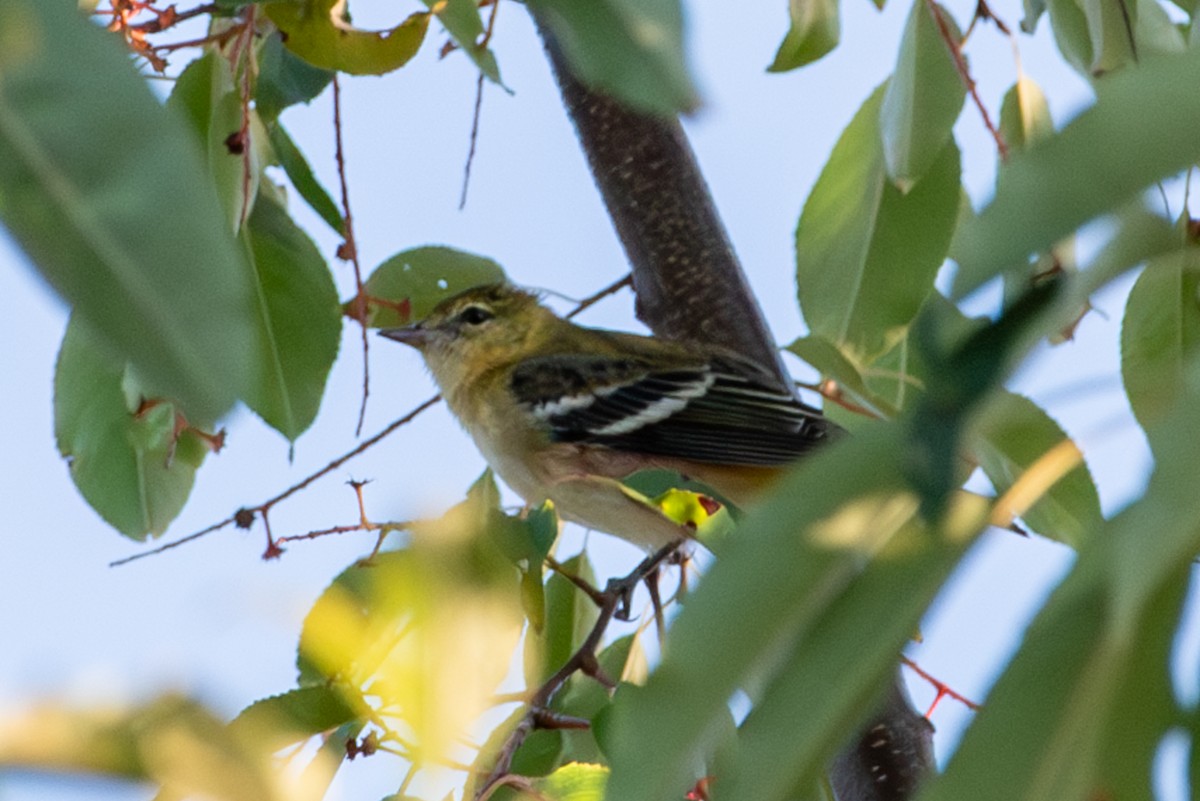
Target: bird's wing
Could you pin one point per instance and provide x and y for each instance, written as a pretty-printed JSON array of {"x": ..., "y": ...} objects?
[{"x": 714, "y": 410}]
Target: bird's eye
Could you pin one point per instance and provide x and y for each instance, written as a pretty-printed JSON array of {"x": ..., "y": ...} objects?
[{"x": 475, "y": 315}]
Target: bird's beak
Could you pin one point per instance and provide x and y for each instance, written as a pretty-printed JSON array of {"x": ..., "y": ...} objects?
[{"x": 412, "y": 335}]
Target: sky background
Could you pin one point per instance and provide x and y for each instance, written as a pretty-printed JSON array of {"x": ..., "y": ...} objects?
[{"x": 214, "y": 620}]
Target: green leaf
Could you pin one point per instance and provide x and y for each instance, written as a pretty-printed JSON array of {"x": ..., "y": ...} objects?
[
  {"x": 206, "y": 95},
  {"x": 423, "y": 277},
  {"x": 537, "y": 756},
  {"x": 1112, "y": 39},
  {"x": 131, "y": 467},
  {"x": 570, "y": 615},
  {"x": 816, "y": 30},
  {"x": 1025, "y": 115},
  {"x": 574, "y": 782},
  {"x": 867, "y": 254},
  {"x": 822, "y": 355},
  {"x": 923, "y": 98},
  {"x": 317, "y": 31},
  {"x": 1050, "y": 190},
  {"x": 428, "y": 633},
  {"x": 1143, "y": 707},
  {"x": 294, "y": 716},
  {"x": 1010, "y": 436},
  {"x": 171, "y": 741},
  {"x": 829, "y": 682},
  {"x": 302, "y": 177},
  {"x": 299, "y": 321},
  {"x": 462, "y": 21},
  {"x": 1055, "y": 725},
  {"x": 835, "y": 514},
  {"x": 1033, "y": 12},
  {"x": 1160, "y": 334},
  {"x": 630, "y": 49},
  {"x": 285, "y": 79},
  {"x": 105, "y": 192}
]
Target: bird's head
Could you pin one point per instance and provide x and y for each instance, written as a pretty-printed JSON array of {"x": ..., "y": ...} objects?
[{"x": 481, "y": 327}]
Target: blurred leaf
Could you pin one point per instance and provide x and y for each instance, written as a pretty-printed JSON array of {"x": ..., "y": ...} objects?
[
  {"x": 428, "y": 632},
  {"x": 962, "y": 375},
  {"x": 828, "y": 683},
  {"x": 1033, "y": 12},
  {"x": 1050, "y": 190},
  {"x": 1143, "y": 704},
  {"x": 318, "y": 32},
  {"x": 206, "y": 95},
  {"x": 132, "y": 468},
  {"x": 1010, "y": 436},
  {"x": 285, "y": 79},
  {"x": 1103, "y": 636},
  {"x": 1025, "y": 115},
  {"x": 923, "y": 98},
  {"x": 294, "y": 716},
  {"x": 299, "y": 320},
  {"x": 301, "y": 175},
  {"x": 105, "y": 192},
  {"x": 1160, "y": 334},
  {"x": 1069, "y": 25},
  {"x": 630, "y": 49},
  {"x": 1098, "y": 37},
  {"x": 574, "y": 782},
  {"x": 832, "y": 515},
  {"x": 1110, "y": 42},
  {"x": 462, "y": 21},
  {"x": 816, "y": 29},
  {"x": 423, "y": 277},
  {"x": 170, "y": 741},
  {"x": 866, "y": 254}
]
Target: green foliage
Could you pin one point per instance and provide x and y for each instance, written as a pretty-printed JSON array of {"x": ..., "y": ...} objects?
[
  {"x": 318, "y": 32},
  {"x": 462, "y": 21},
  {"x": 923, "y": 98},
  {"x": 421, "y": 278},
  {"x": 816, "y": 29},
  {"x": 632, "y": 49},
  {"x": 866, "y": 252},
  {"x": 131, "y": 463},
  {"x": 814, "y": 591},
  {"x": 298, "y": 319},
  {"x": 88, "y": 161}
]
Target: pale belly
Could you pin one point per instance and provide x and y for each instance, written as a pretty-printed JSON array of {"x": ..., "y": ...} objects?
[{"x": 586, "y": 490}]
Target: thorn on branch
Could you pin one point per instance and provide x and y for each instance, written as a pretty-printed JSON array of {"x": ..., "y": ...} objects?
[{"x": 941, "y": 689}]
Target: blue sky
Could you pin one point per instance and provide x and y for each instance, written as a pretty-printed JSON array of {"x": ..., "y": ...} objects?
[{"x": 214, "y": 620}]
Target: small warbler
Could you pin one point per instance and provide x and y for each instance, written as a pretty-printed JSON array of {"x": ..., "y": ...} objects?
[{"x": 564, "y": 413}]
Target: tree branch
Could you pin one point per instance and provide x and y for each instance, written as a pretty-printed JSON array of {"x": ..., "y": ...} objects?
[{"x": 690, "y": 286}]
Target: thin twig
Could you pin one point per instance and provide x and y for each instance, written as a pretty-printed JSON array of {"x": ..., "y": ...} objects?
[
  {"x": 941, "y": 688},
  {"x": 593, "y": 299},
  {"x": 479, "y": 81},
  {"x": 964, "y": 73},
  {"x": 250, "y": 511},
  {"x": 615, "y": 602},
  {"x": 349, "y": 251},
  {"x": 244, "y": 517}
]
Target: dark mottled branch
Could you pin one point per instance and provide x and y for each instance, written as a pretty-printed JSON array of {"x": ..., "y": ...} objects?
[{"x": 690, "y": 286}]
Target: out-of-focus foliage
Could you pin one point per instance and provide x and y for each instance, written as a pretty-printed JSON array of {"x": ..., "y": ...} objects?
[{"x": 432, "y": 648}]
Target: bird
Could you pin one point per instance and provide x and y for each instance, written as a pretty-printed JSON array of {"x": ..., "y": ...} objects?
[{"x": 565, "y": 413}]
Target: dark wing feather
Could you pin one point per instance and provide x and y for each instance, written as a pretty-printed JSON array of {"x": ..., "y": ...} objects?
[{"x": 719, "y": 411}]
